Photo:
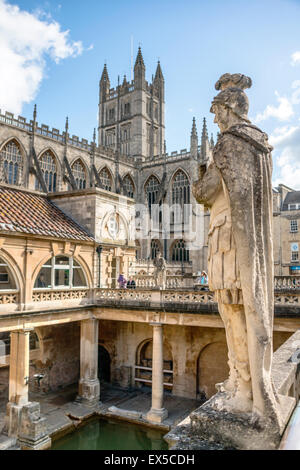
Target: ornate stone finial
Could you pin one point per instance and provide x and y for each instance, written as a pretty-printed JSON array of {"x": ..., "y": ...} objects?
[
  {"x": 212, "y": 143},
  {"x": 194, "y": 129},
  {"x": 139, "y": 59},
  {"x": 94, "y": 136},
  {"x": 34, "y": 113},
  {"x": 67, "y": 124},
  {"x": 104, "y": 76},
  {"x": 204, "y": 130}
]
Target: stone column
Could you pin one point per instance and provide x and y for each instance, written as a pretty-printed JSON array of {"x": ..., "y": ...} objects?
[
  {"x": 23, "y": 420},
  {"x": 19, "y": 367},
  {"x": 157, "y": 413},
  {"x": 89, "y": 385}
]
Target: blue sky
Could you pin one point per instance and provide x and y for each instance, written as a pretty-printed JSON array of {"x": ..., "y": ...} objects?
[{"x": 195, "y": 40}]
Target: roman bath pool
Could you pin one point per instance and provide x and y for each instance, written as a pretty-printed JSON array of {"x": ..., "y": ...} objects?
[{"x": 108, "y": 434}]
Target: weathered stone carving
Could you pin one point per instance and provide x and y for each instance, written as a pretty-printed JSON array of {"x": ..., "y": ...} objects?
[
  {"x": 236, "y": 185},
  {"x": 160, "y": 273}
]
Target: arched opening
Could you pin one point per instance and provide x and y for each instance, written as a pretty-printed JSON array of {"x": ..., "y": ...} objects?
[
  {"x": 143, "y": 374},
  {"x": 180, "y": 188},
  {"x": 49, "y": 169},
  {"x": 12, "y": 163},
  {"x": 155, "y": 248},
  {"x": 212, "y": 368},
  {"x": 79, "y": 174},
  {"x": 106, "y": 179},
  {"x": 128, "y": 186},
  {"x": 7, "y": 280},
  {"x": 179, "y": 252},
  {"x": 151, "y": 189},
  {"x": 60, "y": 272},
  {"x": 104, "y": 364}
]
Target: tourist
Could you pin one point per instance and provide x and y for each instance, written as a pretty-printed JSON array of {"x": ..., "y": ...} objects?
[
  {"x": 122, "y": 281},
  {"x": 131, "y": 283}
]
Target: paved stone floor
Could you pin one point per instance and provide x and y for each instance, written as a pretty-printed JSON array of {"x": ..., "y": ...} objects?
[{"x": 64, "y": 414}]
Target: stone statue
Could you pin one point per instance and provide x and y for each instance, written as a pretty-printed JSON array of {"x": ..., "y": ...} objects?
[
  {"x": 236, "y": 186},
  {"x": 160, "y": 273}
]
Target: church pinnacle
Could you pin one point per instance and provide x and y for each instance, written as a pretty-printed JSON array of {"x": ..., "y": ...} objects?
[
  {"x": 104, "y": 76},
  {"x": 139, "y": 59},
  {"x": 194, "y": 140}
]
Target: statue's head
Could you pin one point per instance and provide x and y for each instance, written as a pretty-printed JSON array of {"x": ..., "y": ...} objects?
[{"x": 231, "y": 105}]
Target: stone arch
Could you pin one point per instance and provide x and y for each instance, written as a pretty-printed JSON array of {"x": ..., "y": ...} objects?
[
  {"x": 180, "y": 190},
  {"x": 85, "y": 268},
  {"x": 81, "y": 177},
  {"x": 151, "y": 190},
  {"x": 106, "y": 177},
  {"x": 212, "y": 368},
  {"x": 15, "y": 271},
  {"x": 51, "y": 175},
  {"x": 144, "y": 360},
  {"x": 127, "y": 182},
  {"x": 14, "y": 169},
  {"x": 104, "y": 363}
]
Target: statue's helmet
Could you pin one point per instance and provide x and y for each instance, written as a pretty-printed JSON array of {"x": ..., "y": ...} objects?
[{"x": 232, "y": 95}]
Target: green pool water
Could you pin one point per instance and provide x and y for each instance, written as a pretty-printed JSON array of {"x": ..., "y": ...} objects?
[{"x": 112, "y": 435}]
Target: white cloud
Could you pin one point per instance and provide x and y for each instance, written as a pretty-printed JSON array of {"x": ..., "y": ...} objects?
[
  {"x": 26, "y": 39},
  {"x": 295, "y": 58},
  {"x": 283, "y": 112},
  {"x": 286, "y": 142}
]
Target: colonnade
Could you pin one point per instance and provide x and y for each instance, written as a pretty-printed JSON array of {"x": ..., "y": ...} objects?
[{"x": 23, "y": 419}]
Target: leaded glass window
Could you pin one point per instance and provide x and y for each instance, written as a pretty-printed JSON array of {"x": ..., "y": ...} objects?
[
  {"x": 180, "y": 189},
  {"x": 155, "y": 248},
  {"x": 152, "y": 188},
  {"x": 49, "y": 170},
  {"x": 180, "y": 252},
  {"x": 128, "y": 186},
  {"x": 79, "y": 174},
  {"x": 106, "y": 179},
  {"x": 12, "y": 162}
]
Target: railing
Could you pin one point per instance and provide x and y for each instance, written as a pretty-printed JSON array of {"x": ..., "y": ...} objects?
[
  {"x": 148, "y": 295},
  {"x": 9, "y": 297},
  {"x": 286, "y": 282},
  {"x": 148, "y": 281},
  {"x": 53, "y": 295}
]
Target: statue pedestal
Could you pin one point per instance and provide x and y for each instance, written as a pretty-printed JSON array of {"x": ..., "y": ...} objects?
[{"x": 214, "y": 429}]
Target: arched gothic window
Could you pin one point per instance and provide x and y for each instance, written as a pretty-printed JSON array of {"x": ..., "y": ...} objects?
[
  {"x": 180, "y": 252},
  {"x": 12, "y": 163},
  {"x": 180, "y": 189},
  {"x": 152, "y": 188},
  {"x": 60, "y": 272},
  {"x": 155, "y": 248},
  {"x": 49, "y": 170},
  {"x": 106, "y": 179},
  {"x": 79, "y": 174},
  {"x": 128, "y": 186}
]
